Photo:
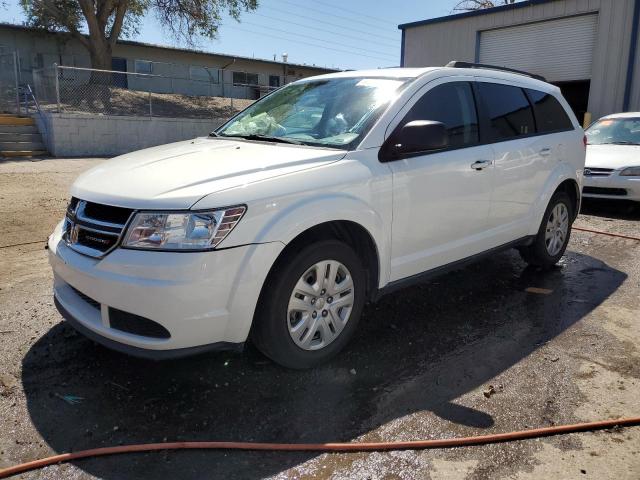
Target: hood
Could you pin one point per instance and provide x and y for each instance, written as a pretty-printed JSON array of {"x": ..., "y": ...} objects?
[
  {"x": 177, "y": 175},
  {"x": 612, "y": 156}
]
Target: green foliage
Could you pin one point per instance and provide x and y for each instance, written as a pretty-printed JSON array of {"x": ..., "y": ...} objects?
[
  {"x": 41, "y": 14},
  {"x": 108, "y": 20},
  {"x": 188, "y": 19}
]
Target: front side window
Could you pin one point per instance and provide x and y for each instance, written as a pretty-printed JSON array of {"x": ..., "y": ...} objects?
[
  {"x": 452, "y": 104},
  {"x": 510, "y": 114},
  {"x": 550, "y": 116},
  {"x": 614, "y": 131},
  {"x": 333, "y": 112}
]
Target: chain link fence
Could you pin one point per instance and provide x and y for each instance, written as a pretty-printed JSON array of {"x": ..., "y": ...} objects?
[
  {"x": 106, "y": 92},
  {"x": 9, "y": 92}
]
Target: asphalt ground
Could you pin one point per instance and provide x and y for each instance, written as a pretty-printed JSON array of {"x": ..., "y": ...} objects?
[{"x": 471, "y": 352}]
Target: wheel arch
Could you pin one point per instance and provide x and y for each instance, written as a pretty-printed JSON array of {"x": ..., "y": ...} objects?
[
  {"x": 563, "y": 178},
  {"x": 350, "y": 232},
  {"x": 572, "y": 189}
]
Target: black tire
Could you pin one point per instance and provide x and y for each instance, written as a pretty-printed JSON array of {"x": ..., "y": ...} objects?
[
  {"x": 537, "y": 254},
  {"x": 270, "y": 331}
]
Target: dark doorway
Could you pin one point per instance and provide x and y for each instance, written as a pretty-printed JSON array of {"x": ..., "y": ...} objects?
[
  {"x": 577, "y": 95},
  {"x": 119, "y": 65},
  {"x": 274, "y": 81}
]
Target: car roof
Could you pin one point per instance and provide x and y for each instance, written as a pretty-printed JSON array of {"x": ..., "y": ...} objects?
[
  {"x": 622, "y": 115},
  {"x": 413, "y": 73},
  {"x": 396, "y": 72}
]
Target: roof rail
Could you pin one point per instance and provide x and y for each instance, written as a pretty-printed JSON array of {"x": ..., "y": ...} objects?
[{"x": 459, "y": 64}]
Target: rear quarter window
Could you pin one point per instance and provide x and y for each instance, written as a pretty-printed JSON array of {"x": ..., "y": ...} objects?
[
  {"x": 509, "y": 111},
  {"x": 549, "y": 114}
]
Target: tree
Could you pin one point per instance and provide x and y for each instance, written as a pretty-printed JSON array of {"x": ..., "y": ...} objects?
[
  {"x": 470, "y": 5},
  {"x": 107, "y": 20}
]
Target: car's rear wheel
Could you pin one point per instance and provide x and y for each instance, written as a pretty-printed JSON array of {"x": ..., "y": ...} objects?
[
  {"x": 310, "y": 305},
  {"x": 553, "y": 235}
]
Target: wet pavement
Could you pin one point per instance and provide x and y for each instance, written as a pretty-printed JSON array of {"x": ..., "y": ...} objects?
[{"x": 420, "y": 366}]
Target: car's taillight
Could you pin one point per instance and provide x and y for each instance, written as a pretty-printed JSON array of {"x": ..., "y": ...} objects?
[{"x": 584, "y": 141}]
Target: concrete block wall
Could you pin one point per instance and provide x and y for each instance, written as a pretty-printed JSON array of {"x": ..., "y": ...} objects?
[{"x": 84, "y": 135}]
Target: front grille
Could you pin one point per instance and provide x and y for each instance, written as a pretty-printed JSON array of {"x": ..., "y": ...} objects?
[
  {"x": 604, "y": 191},
  {"x": 130, "y": 323},
  {"x": 597, "y": 172},
  {"x": 94, "y": 229},
  {"x": 86, "y": 298}
]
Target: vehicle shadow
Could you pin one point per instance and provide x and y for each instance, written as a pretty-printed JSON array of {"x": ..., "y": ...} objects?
[
  {"x": 416, "y": 350},
  {"x": 613, "y": 209}
]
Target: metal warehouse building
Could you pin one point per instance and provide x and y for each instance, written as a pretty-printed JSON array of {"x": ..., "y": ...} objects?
[{"x": 589, "y": 48}]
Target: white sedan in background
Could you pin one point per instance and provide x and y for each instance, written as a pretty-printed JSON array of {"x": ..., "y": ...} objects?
[{"x": 612, "y": 165}]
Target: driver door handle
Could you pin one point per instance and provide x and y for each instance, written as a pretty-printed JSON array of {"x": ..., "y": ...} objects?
[{"x": 481, "y": 164}]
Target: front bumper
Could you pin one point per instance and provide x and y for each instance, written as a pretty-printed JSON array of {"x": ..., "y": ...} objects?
[
  {"x": 205, "y": 300},
  {"x": 612, "y": 186}
]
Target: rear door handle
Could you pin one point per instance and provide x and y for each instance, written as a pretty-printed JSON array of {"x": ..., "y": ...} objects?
[
  {"x": 545, "y": 152},
  {"x": 481, "y": 164}
]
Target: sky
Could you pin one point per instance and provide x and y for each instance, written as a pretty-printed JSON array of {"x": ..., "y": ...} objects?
[{"x": 346, "y": 34}]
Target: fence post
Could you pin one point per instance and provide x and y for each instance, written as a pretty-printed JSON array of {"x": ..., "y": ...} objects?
[
  {"x": 55, "y": 72},
  {"x": 15, "y": 72},
  {"x": 150, "y": 107}
]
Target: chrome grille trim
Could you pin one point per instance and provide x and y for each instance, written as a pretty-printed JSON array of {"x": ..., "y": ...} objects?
[
  {"x": 597, "y": 172},
  {"x": 78, "y": 224}
]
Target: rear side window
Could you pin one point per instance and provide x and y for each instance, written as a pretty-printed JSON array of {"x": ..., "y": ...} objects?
[
  {"x": 550, "y": 116},
  {"x": 510, "y": 114},
  {"x": 452, "y": 104}
]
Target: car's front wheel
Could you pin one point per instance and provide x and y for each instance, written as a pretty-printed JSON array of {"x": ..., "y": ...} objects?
[{"x": 310, "y": 305}]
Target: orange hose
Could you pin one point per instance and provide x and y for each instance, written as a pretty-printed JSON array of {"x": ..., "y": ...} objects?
[
  {"x": 619, "y": 235},
  {"x": 323, "y": 447}
]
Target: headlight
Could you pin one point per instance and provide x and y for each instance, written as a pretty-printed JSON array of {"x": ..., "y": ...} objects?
[
  {"x": 181, "y": 230},
  {"x": 631, "y": 172}
]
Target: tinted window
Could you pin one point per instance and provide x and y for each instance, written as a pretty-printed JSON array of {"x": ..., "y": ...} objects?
[
  {"x": 550, "y": 116},
  {"x": 509, "y": 111},
  {"x": 453, "y": 105}
]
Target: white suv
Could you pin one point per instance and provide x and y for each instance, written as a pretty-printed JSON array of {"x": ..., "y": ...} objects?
[{"x": 318, "y": 198}]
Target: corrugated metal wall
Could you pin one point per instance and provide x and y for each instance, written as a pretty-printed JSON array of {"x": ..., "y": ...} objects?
[
  {"x": 438, "y": 43},
  {"x": 560, "y": 49}
]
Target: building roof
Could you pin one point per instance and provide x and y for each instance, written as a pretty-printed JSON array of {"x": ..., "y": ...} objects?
[
  {"x": 473, "y": 13},
  {"x": 174, "y": 49}
]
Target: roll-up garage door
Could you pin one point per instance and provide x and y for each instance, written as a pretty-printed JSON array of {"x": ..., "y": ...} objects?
[{"x": 560, "y": 49}]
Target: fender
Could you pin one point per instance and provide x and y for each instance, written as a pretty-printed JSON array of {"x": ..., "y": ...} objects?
[
  {"x": 563, "y": 171},
  {"x": 309, "y": 212}
]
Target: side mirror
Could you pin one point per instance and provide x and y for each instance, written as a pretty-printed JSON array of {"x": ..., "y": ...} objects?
[{"x": 417, "y": 136}]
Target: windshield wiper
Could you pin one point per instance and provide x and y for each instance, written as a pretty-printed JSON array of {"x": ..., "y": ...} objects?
[
  {"x": 265, "y": 138},
  {"x": 620, "y": 142}
]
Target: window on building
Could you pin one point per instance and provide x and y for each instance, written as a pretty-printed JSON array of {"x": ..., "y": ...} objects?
[
  {"x": 244, "y": 78},
  {"x": 274, "y": 81},
  {"x": 510, "y": 113},
  {"x": 204, "y": 74},
  {"x": 452, "y": 104},
  {"x": 550, "y": 116},
  {"x": 144, "y": 66}
]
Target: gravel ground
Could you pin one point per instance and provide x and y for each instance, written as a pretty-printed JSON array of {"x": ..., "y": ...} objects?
[{"x": 418, "y": 368}]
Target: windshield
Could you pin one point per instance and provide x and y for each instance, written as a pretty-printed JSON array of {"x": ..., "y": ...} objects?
[
  {"x": 617, "y": 131},
  {"x": 331, "y": 113}
]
